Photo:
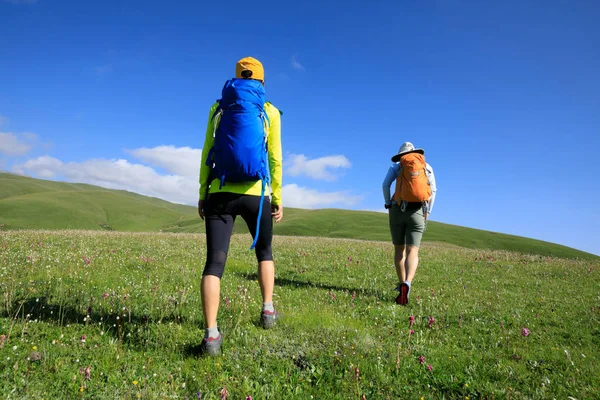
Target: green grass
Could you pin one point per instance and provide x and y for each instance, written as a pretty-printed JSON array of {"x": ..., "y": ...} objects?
[
  {"x": 135, "y": 297},
  {"x": 27, "y": 203}
]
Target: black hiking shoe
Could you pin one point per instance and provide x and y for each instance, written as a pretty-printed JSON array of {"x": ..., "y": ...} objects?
[{"x": 402, "y": 298}]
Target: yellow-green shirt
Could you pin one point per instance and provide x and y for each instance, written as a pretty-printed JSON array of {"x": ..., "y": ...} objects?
[{"x": 274, "y": 155}]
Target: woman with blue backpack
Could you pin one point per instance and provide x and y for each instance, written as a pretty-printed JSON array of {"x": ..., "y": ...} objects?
[{"x": 241, "y": 161}]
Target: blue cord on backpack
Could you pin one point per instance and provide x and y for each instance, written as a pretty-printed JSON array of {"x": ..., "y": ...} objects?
[{"x": 239, "y": 153}]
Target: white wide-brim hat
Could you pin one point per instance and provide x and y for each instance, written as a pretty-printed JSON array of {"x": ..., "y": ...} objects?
[{"x": 407, "y": 147}]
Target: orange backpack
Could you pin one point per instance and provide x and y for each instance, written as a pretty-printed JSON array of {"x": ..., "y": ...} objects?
[{"x": 412, "y": 184}]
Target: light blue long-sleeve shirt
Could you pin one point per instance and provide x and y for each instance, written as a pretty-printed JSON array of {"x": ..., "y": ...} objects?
[{"x": 391, "y": 176}]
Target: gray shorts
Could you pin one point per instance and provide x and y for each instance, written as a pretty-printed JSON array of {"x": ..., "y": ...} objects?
[{"x": 407, "y": 227}]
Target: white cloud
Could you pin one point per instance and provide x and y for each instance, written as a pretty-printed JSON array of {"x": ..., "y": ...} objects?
[
  {"x": 14, "y": 144},
  {"x": 379, "y": 210},
  {"x": 318, "y": 168},
  {"x": 117, "y": 174},
  {"x": 300, "y": 197},
  {"x": 296, "y": 64},
  {"x": 102, "y": 70},
  {"x": 184, "y": 161},
  {"x": 179, "y": 185},
  {"x": 45, "y": 167}
]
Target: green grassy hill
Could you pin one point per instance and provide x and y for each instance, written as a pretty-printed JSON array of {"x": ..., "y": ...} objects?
[{"x": 27, "y": 203}]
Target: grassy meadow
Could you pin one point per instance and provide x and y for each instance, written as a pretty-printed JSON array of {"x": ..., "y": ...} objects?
[
  {"x": 100, "y": 314},
  {"x": 28, "y": 203}
]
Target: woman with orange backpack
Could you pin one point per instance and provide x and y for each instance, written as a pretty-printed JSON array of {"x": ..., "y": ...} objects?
[{"x": 409, "y": 209}]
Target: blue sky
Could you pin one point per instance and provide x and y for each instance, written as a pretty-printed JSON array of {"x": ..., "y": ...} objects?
[{"x": 503, "y": 96}]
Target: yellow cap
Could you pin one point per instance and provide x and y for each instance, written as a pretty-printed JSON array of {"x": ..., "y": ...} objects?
[{"x": 250, "y": 64}]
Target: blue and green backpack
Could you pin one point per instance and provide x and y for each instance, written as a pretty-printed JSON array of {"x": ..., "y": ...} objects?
[{"x": 239, "y": 153}]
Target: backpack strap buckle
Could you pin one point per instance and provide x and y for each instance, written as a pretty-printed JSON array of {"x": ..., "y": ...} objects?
[{"x": 403, "y": 205}]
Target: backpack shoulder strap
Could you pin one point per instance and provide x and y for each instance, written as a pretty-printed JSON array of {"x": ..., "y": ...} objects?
[
  {"x": 271, "y": 104},
  {"x": 217, "y": 110}
]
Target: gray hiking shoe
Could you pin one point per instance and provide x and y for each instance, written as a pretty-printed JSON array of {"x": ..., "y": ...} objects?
[
  {"x": 211, "y": 346},
  {"x": 269, "y": 318}
]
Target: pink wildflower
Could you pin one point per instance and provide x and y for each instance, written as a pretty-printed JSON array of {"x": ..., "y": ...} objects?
[
  {"x": 105, "y": 295},
  {"x": 431, "y": 321},
  {"x": 356, "y": 373},
  {"x": 411, "y": 320},
  {"x": 248, "y": 397},
  {"x": 82, "y": 338},
  {"x": 2, "y": 340},
  {"x": 525, "y": 332},
  {"x": 412, "y": 331},
  {"x": 224, "y": 393},
  {"x": 87, "y": 371},
  {"x": 422, "y": 359},
  {"x": 429, "y": 367}
]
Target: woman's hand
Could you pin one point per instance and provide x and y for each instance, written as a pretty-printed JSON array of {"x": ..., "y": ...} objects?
[{"x": 277, "y": 213}]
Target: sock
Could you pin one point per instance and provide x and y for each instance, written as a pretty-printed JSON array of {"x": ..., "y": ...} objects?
[
  {"x": 268, "y": 307},
  {"x": 408, "y": 284},
  {"x": 211, "y": 332}
]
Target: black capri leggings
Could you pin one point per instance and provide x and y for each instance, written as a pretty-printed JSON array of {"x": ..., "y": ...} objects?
[{"x": 221, "y": 209}]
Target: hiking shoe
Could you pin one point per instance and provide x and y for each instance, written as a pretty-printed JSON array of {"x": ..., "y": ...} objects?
[
  {"x": 397, "y": 288},
  {"x": 211, "y": 346},
  {"x": 269, "y": 318},
  {"x": 402, "y": 298}
]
